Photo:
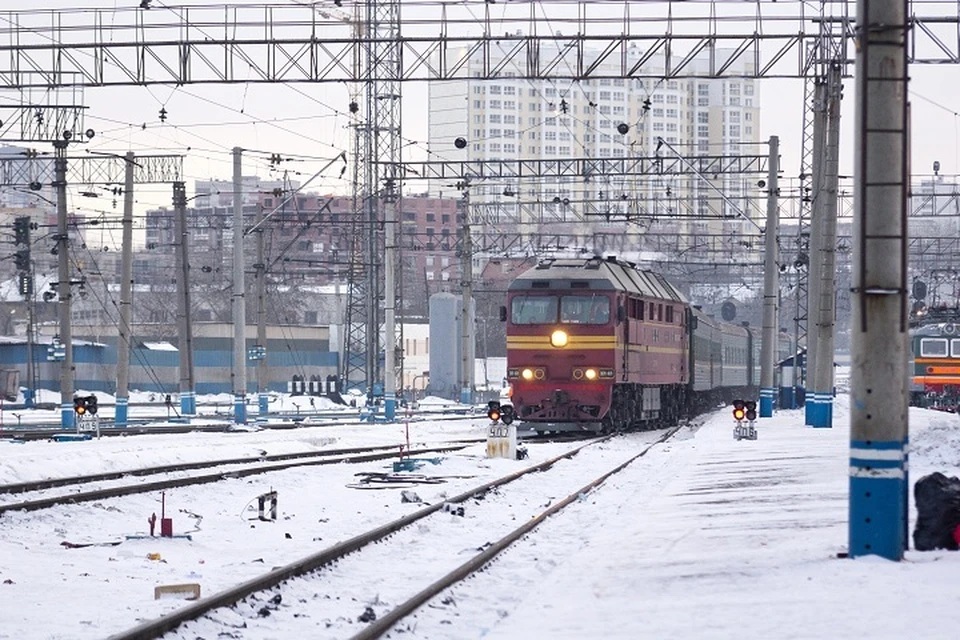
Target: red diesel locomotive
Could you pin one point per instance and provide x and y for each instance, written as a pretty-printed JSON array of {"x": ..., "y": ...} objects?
[{"x": 598, "y": 344}]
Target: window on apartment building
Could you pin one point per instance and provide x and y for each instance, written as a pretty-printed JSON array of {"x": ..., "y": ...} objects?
[
  {"x": 658, "y": 126},
  {"x": 444, "y": 262},
  {"x": 618, "y": 96},
  {"x": 703, "y": 146},
  {"x": 550, "y": 92},
  {"x": 618, "y": 152},
  {"x": 532, "y": 149},
  {"x": 703, "y": 90},
  {"x": 509, "y": 119},
  {"x": 478, "y": 104},
  {"x": 509, "y": 104},
  {"x": 734, "y": 116},
  {"x": 429, "y": 275},
  {"x": 531, "y": 121},
  {"x": 549, "y": 135},
  {"x": 532, "y": 135},
  {"x": 748, "y": 89},
  {"x": 429, "y": 261},
  {"x": 494, "y": 133},
  {"x": 671, "y": 113},
  {"x": 494, "y": 147},
  {"x": 734, "y": 131},
  {"x": 509, "y": 147},
  {"x": 672, "y": 98},
  {"x": 565, "y": 150},
  {"x": 604, "y": 95},
  {"x": 431, "y": 217},
  {"x": 604, "y": 124},
  {"x": 509, "y": 91},
  {"x": 604, "y": 137},
  {"x": 495, "y": 89},
  {"x": 478, "y": 119},
  {"x": 509, "y": 133},
  {"x": 672, "y": 127},
  {"x": 604, "y": 82},
  {"x": 748, "y": 131},
  {"x": 605, "y": 109},
  {"x": 604, "y": 152},
  {"x": 703, "y": 131},
  {"x": 494, "y": 104},
  {"x": 703, "y": 102},
  {"x": 672, "y": 85},
  {"x": 703, "y": 117},
  {"x": 478, "y": 91},
  {"x": 495, "y": 118},
  {"x": 657, "y": 98},
  {"x": 658, "y": 112},
  {"x": 476, "y": 147},
  {"x": 619, "y": 111},
  {"x": 618, "y": 82},
  {"x": 531, "y": 92},
  {"x": 734, "y": 101},
  {"x": 564, "y": 135},
  {"x": 550, "y": 122},
  {"x": 733, "y": 89}
]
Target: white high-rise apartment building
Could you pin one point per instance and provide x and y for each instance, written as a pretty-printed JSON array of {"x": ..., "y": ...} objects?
[{"x": 511, "y": 119}]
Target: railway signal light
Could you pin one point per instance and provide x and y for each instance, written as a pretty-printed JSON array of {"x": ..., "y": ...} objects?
[
  {"x": 83, "y": 405},
  {"x": 751, "y": 413},
  {"x": 21, "y": 230},
  {"x": 739, "y": 410},
  {"x": 493, "y": 411},
  {"x": 22, "y": 259}
]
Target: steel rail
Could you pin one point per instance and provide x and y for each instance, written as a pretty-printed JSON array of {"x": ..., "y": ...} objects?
[
  {"x": 155, "y": 628},
  {"x": 386, "y": 622},
  {"x": 51, "y": 483},
  {"x": 115, "y": 492}
]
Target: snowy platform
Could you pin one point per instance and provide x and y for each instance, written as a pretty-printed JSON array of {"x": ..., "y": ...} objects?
[{"x": 743, "y": 539}]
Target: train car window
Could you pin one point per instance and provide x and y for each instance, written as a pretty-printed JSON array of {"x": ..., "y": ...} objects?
[
  {"x": 585, "y": 309},
  {"x": 533, "y": 310},
  {"x": 670, "y": 314},
  {"x": 955, "y": 348},
  {"x": 933, "y": 347}
]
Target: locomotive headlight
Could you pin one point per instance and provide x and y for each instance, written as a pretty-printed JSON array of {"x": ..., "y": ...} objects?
[
  {"x": 559, "y": 338},
  {"x": 590, "y": 374},
  {"x": 527, "y": 374}
]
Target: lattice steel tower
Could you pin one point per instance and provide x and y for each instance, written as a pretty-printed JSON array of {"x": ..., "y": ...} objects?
[{"x": 376, "y": 168}]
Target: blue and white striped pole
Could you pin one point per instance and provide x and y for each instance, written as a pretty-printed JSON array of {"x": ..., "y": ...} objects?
[
  {"x": 879, "y": 389},
  {"x": 188, "y": 403}
]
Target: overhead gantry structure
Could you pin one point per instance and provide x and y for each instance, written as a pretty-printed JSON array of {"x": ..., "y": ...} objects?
[{"x": 559, "y": 40}]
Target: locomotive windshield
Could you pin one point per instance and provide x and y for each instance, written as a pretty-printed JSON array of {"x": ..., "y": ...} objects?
[
  {"x": 533, "y": 310},
  {"x": 585, "y": 309},
  {"x": 591, "y": 309}
]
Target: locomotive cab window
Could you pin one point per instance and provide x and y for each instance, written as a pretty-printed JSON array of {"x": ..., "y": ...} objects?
[
  {"x": 533, "y": 310},
  {"x": 933, "y": 348},
  {"x": 955, "y": 348},
  {"x": 584, "y": 309}
]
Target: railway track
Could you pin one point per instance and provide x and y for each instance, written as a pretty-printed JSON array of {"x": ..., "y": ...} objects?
[
  {"x": 258, "y": 465},
  {"x": 45, "y": 431},
  {"x": 446, "y": 533}
]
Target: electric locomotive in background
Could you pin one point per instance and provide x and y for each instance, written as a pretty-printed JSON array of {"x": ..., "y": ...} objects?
[
  {"x": 935, "y": 365},
  {"x": 598, "y": 344}
]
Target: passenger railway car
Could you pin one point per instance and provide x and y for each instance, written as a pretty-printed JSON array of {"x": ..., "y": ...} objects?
[
  {"x": 598, "y": 344},
  {"x": 935, "y": 366}
]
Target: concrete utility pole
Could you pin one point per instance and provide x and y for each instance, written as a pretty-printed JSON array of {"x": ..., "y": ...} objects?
[
  {"x": 188, "y": 398},
  {"x": 239, "y": 310},
  {"x": 879, "y": 393},
  {"x": 771, "y": 286},
  {"x": 126, "y": 297},
  {"x": 466, "y": 318},
  {"x": 390, "y": 300},
  {"x": 820, "y": 379},
  {"x": 263, "y": 372},
  {"x": 63, "y": 285},
  {"x": 814, "y": 267}
]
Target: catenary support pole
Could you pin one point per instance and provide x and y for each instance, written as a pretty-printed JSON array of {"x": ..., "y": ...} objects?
[
  {"x": 239, "y": 310},
  {"x": 466, "y": 319},
  {"x": 821, "y": 378},
  {"x": 814, "y": 267},
  {"x": 126, "y": 297},
  {"x": 64, "y": 292},
  {"x": 263, "y": 372},
  {"x": 390, "y": 301},
  {"x": 771, "y": 285},
  {"x": 188, "y": 398},
  {"x": 879, "y": 391}
]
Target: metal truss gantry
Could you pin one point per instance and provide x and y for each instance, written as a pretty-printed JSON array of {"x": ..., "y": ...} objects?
[{"x": 303, "y": 43}]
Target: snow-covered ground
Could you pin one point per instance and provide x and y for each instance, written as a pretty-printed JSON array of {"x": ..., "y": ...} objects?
[{"x": 703, "y": 537}]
